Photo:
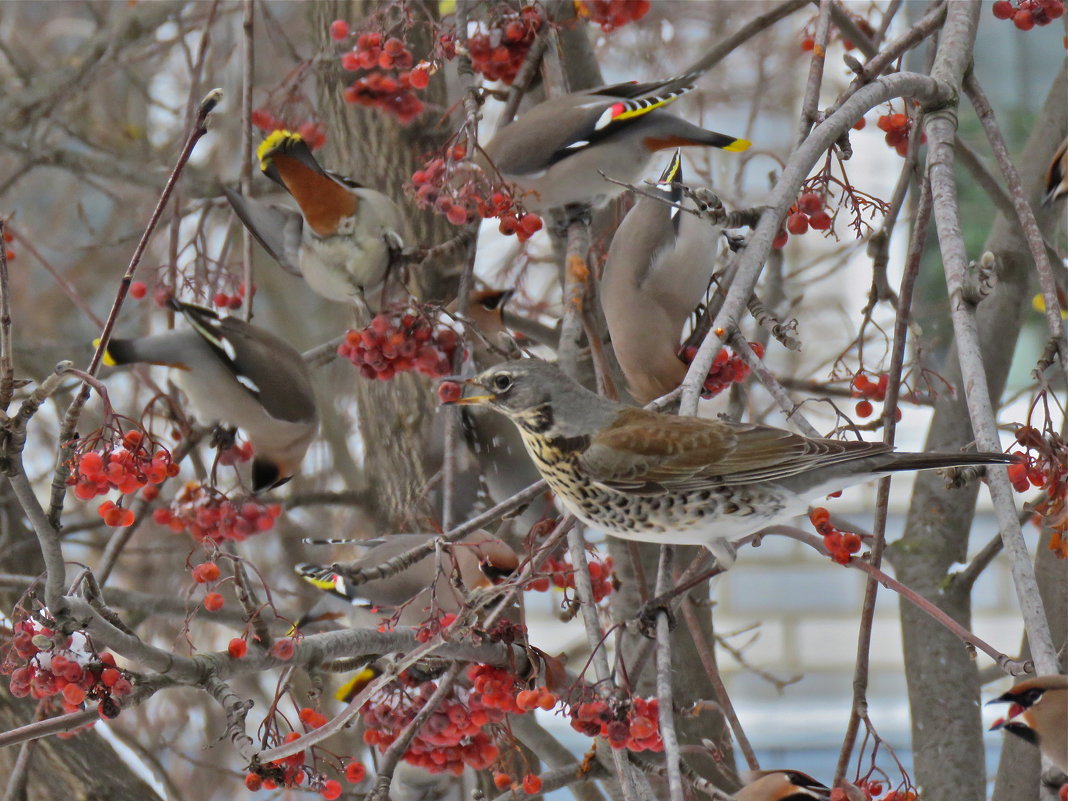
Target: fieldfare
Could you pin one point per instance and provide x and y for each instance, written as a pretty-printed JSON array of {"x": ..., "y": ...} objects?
[
  {"x": 662, "y": 478},
  {"x": 343, "y": 239},
  {"x": 237, "y": 374},
  {"x": 558, "y": 150},
  {"x": 657, "y": 271}
]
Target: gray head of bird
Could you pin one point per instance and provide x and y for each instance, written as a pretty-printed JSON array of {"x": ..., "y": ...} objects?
[{"x": 539, "y": 398}]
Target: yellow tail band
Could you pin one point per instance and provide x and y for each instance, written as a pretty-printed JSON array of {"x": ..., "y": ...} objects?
[
  {"x": 108, "y": 361},
  {"x": 738, "y": 145}
]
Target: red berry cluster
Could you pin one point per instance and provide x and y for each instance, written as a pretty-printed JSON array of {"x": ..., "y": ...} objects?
[
  {"x": 531, "y": 784},
  {"x": 612, "y": 14},
  {"x": 810, "y": 211},
  {"x": 389, "y": 81},
  {"x": 562, "y": 575},
  {"x": 222, "y": 300},
  {"x": 871, "y": 789},
  {"x": 127, "y": 467},
  {"x": 463, "y": 192},
  {"x": 452, "y": 736},
  {"x": 868, "y": 390},
  {"x": 396, "y": 342},
  {"x": 1044, "y": 464},
  {"x": 1026, "y": 14},
  {"x": 236, "y": 454},
  {"x": 209, "y": 515},
  {"x": 897, "y": 127},
  {"x": 728, "y": 368},
  {"x": 74, "y": 673},
  {"x": 496, "y": 688},
  {"x": 313, "y": 133},
  {"x": 841, "y": 544},
  {"x": 497, "y": 52},
  {"x": 429, "y": 629},
  {"x": 631, "y": 723}
]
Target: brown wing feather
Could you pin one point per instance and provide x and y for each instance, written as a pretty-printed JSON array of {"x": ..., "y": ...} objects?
[{"x": 646, "y": 452}]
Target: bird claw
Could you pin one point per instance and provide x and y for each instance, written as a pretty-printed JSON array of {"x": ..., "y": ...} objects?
[
  {"x": 649, "y": 612},
  {"x": 735, "y": 241},
  {"x": 223, "y": 437}
]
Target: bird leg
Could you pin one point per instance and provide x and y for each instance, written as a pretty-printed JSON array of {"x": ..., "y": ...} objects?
[
  {"x": 223, "y": 437},
  {"x": 724, "y": 552},
  {"x": 649, "y": 611}
]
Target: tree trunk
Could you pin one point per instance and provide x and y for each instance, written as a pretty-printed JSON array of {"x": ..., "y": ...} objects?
[{"x": 942, "y": 678}]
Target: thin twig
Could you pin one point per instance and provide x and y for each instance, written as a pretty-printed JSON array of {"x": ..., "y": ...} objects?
[
  {"x": 1024, "y": 213},
  {"x": 1011, "y": 666},
  {"x": 248, "y": 66},
  {"x": 800, "y": 163},
  {"x": 810, "y": 102},
  {"x": 664, "y": 677},
  {"x": 951, "y": 63},
  {"x": 70, "y": 419},
  {"x": 858, "y": 708}
]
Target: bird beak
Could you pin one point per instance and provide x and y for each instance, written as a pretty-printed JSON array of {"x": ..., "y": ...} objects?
[{"x": 456, "y": 391}]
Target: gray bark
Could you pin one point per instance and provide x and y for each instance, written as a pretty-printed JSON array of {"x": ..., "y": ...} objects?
[{"x": 942, "y": 677}]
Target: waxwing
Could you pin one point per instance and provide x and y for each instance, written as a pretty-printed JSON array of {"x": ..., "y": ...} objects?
[
  {"x": 1057, "y": 175},
  {"x": 1038, "y": 713},
  {"x": 657, "y": 271},
  {"x": 781, "y": 785},
  {"x": 481, "y": 559},
  {"x": 557, "y": 150},
  {"x": 240, "y": 375},
  {"x": 345, "y": 236}
]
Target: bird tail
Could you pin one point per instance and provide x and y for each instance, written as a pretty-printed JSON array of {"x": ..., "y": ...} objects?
[
  {"x": 731, "y": 144},
  {"x": 119, "y": 351},
  {"x": 932, "y": 461},
  {"x": 321, "y": 577},
  {"x": 357, "y": 681}
]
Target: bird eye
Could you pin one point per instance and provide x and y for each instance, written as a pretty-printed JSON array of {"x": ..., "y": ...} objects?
[{"x": 502, "y": 383}]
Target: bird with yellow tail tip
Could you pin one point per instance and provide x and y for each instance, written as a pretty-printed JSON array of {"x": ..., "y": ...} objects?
[
  {"x": 1057, "y": 176},
  {"x": 237, "y": 374},
  {"x": 657, "y": 271},
  {"x": 782, "y": 785},
  {"x": 1038, "y": 713},
  {"x": 344, "y": 239},
  {"x": 557, "y": 151},
  {"x": 479, "y": 559}
]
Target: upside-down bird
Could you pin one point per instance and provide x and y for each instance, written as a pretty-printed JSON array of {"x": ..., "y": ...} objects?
[
  {"x": 657, "y": 271},
  {"x": 238, "y": 374},
  {"x": 480, "y": 559},
  {"x": 345, "y": 236}
]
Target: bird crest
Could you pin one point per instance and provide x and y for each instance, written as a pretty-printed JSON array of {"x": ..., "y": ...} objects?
[{"x": 276, "y": 140}]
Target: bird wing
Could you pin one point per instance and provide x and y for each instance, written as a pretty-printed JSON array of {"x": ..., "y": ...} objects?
[
  {"x": 276, "y": 228},
  {"x": 552, "y": 131},
  {"x": 646, "y": 452},
  {"x": 266, "y": 366}
]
